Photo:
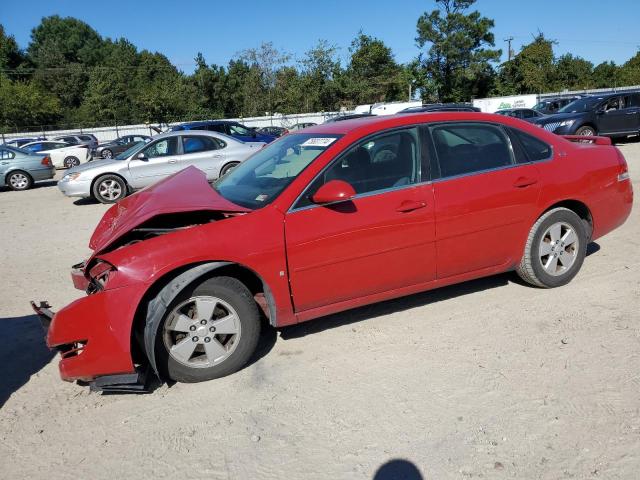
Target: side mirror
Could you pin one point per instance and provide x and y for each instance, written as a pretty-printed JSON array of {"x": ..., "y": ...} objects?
[
  {"x": 333, "y": 191},
  {"x": 142, "y": 156}
]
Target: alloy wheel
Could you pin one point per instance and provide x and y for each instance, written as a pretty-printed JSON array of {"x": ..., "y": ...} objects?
[
  {"x": 558, "y": 250},
  {"x": 110, "y": 190},
  {"x": 19, "y": 181},
  {"x": 202, "y": 331}
]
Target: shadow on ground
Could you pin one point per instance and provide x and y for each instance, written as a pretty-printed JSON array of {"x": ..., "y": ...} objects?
[
  {"x": 22, "y": 352},
  {"x": 86, "y": 201},
  {"x": 406, "y": 303},
  {"x": 398, "y": 469}
]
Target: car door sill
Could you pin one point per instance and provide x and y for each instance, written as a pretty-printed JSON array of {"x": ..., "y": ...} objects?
[{"x": 311, "y": 313}]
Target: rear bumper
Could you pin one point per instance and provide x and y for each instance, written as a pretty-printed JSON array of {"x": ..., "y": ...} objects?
[{"x": 46, "y": 173}]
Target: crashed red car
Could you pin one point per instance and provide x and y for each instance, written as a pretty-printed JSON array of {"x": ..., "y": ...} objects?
[{"x": 336, "y": 216}]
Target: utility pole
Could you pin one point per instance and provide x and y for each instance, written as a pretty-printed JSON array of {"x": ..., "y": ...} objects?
[{"x": 509, "y": 51}]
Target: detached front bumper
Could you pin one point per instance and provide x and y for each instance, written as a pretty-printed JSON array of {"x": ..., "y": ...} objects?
[{"x": 94, "y": 333}]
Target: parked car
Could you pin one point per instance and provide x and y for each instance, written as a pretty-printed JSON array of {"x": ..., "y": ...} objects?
[
  {"x": 19, "y": 142},
  {"x": 300, "y": 126},
  {"x": 62, "y": 154},
  {"x": 226, "y": 127},
  {"x": 351, "y": 116},
  {"x": 441, "y": 107},
  {"x": 273, "y": 131},
  {"x": 19, "y": 169},
  {"x": 612, "y": 115},
  {"x": 110, "y": 180},
  {"x": 81, "y": 139},
  {"x": 327, "y": 219},
  {"x": 117, "y": 146},
  {"x": 552, "y": 105},
  {"x": 526, "y": 114}
]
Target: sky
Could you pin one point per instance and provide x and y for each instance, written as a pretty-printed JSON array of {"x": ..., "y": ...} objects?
[{"x": 222, "y": 29}]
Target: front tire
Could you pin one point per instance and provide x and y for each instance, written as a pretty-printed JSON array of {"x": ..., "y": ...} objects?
[
  {"x": 106, "y": 153},
  {"x": 19, "y": 180},
  {"x": 209, "y": 331},
  {"x": 109, "y": 189},
  {"x": 555, "y": 249},
  {"x": 587, "y": 130}
]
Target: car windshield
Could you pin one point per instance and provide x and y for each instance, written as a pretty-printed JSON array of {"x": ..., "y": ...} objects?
[
  {"x": 259, "y": 180},
  {"x": 237, "y": 129},
  {"x": 581, "y": 105},
  {"x": 130, "y": 151}
]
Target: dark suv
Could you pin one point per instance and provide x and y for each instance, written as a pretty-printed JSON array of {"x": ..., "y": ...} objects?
[
  {"x": 611, "y": 115},
  {"x": 552, "y": 105}
]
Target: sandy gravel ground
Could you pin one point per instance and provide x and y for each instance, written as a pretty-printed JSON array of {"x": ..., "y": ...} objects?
[{"x": 488, "y": 379}]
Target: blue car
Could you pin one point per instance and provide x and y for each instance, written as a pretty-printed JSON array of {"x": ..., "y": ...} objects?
[{"x": 233, "y": 129}]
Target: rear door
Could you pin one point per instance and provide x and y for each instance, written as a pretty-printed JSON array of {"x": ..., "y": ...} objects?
[
  {"x": 203, "y": 152},
  {"x": 484, "y": 200},
  {"x": 381, "y": 240},
  {"x": 161, "y": 159}
]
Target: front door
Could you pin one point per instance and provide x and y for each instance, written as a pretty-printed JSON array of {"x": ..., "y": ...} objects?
[
  {"x": 484, "y": 200},
  {"x": 161, "y": 159},
  {"x": 383, "y": 239}
]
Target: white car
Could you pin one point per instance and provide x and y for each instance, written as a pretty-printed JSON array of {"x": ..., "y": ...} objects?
[{"x": 62, "y": 154}]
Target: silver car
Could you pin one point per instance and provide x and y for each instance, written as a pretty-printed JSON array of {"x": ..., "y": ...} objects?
[
  {"x": 145, "y": 163},
  {"x": 19, "y": 168}
]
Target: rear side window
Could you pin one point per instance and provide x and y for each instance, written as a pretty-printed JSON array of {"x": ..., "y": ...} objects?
[
  {"x": 532, "y": 149},
  {"x": 195, "y": 144},
  {"x": 85, "y": 138},
  {"x": 468, "y": 148},
  {"x": 6, "y": 154}
]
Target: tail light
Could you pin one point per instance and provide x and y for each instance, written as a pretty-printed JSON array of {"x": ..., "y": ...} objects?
[
  {"x": 46, "y": 161},
  {"x": 623, "y": 171}
]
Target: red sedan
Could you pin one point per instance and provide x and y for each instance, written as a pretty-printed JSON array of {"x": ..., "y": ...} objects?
[{"x": 330, "y": 218}]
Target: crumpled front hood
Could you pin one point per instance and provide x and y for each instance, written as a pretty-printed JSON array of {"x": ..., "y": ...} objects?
[{"x": 185, "y": 191}]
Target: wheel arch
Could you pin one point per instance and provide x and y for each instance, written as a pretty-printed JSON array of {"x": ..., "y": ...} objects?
[
  {"x": 8, "y": 173},
  {"x": 579, "y": 208},
  {"x": 588, "y": 123},
  {"x": 150, "y": 310}
]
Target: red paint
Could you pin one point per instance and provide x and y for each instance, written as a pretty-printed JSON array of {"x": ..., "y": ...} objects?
[{"x": 326, "y": 259}]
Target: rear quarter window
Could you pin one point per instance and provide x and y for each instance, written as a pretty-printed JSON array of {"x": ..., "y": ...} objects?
[{"x": 529, "y": 148}]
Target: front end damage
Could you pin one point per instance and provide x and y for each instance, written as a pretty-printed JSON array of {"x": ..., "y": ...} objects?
[{"x": 94, "y": 334}]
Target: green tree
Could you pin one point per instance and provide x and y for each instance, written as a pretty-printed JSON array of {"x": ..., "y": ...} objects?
[
  {"x": 458, "y": 62},
  {"x": 606, "y": 74},
  {"x": 532, "y": 70},
  {"x": 26, "y": 106},
  {"x": 11, "y": 57},
  {"x": 573, "y": 73},
  {"x": 372, "y": 75},
  {"x": 320, "y": 69},
  {"x": 630, "y": 71},
  {"x": 61, "y": 49}
]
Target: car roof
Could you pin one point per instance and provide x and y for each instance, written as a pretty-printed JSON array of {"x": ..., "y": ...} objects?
[
  {"x": 379, "y": 122},
  {"x": 203, "y": 133}
]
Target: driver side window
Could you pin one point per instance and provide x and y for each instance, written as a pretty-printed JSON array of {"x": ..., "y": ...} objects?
[
  {"x": 388, "y": 160},
  {"x": 162, "y": 148}
]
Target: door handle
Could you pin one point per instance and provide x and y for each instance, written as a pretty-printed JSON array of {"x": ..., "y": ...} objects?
[
  {"x": 632, "y": 113},
  {"x": 410, "y": 205},
  {"x": 522, "y": 182},
  {"x": 217, "y": 156},
  {"x": 173, "y": 160}
]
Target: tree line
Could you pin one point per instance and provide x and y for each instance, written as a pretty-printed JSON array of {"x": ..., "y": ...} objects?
[{"x": 69, "y": 75}]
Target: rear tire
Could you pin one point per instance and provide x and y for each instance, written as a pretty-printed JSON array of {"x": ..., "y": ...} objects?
[
  {"x": 109, "y": 189},
  {"x": 188, "y": 349},
  {"x": 228, "y": 167},
  {"x": 106, "y": 153},
  {"x": 555, "y": 249},
  {"x": 70, "y": 162},
  {"x": 19, "y": 180}
]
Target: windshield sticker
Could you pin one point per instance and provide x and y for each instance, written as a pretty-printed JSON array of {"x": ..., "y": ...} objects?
[
  {"x": 261, "y": 198},
  {"x": 318, "y": 142}
]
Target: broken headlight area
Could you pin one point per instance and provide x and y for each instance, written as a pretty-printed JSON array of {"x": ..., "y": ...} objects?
[{"x": 99, "y": 276}]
